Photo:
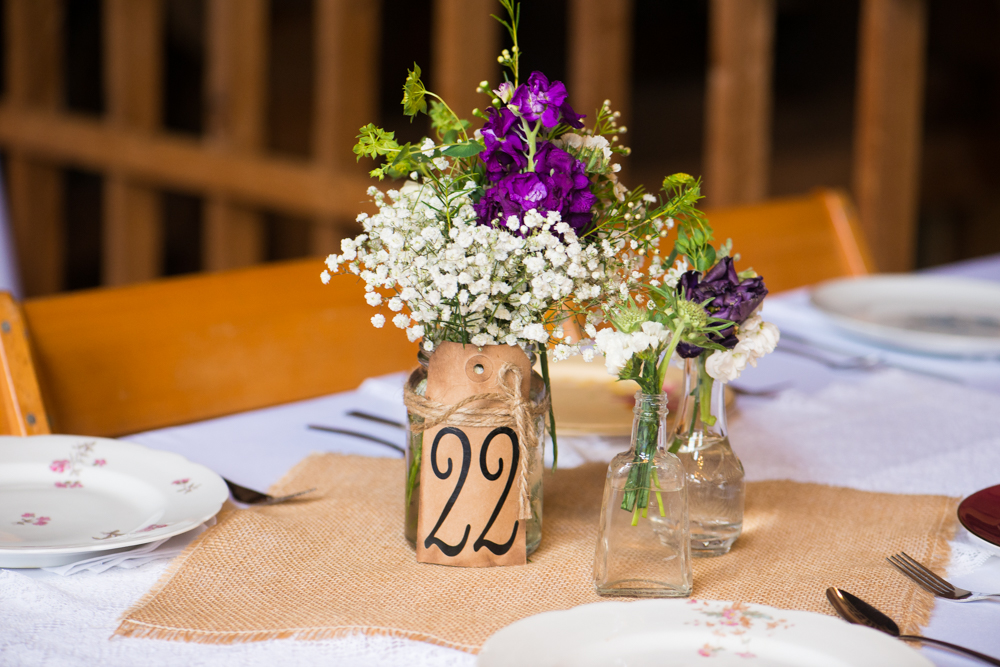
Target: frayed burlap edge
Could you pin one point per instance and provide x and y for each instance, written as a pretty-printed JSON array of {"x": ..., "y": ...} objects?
[
  {"x": 127, "y": 628},
  {"x": 922, "y": 603},
  {"x": 139, "y": 630}
]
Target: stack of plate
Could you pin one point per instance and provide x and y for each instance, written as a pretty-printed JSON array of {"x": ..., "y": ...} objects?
[{"x": 64, "y": 498}]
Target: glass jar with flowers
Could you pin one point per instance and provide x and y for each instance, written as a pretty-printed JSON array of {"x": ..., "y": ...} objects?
[
  {"x": 700, "y": 436},
  {"x": 496, "y": 237},
  {"x": 643, "y": 546}
]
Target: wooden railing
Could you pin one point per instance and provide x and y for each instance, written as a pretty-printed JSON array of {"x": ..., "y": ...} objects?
[{"x": 230, "y": 167}]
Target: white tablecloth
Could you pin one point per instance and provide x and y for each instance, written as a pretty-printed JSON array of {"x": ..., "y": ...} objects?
[{"x": 889, "y": 430}]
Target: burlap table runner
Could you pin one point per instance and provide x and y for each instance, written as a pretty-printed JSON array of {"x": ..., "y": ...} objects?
[{"x": 338, "y": 564}]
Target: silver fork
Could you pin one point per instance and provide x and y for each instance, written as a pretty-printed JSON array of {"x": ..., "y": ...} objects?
[
  {"x": 251, "y": 497},
  {"x": 934, "y": 584}
]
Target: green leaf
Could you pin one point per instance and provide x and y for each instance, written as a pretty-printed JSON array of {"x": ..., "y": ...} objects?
[
  {"x": 710, "y": 256},
  {"x": 463, "y": 150},
  {"x": 374, "y": 141},
  {"x": 444, "y": 120},
  {"x": 413, "y": 93},
  {"x": 403, "y": 155}
]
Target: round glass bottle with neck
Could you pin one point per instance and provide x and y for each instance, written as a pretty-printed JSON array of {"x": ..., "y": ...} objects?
[{"x": 715, "y": 478}]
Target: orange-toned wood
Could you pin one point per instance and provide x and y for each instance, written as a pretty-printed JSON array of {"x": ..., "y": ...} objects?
[
  {"x": 796, "y": 241},
  {"x": 236, "y": 95},
  {"x": 119, "y": 360},
  {"x": 600, "y": 57},
  {"x": 233, "y": 235},
  {"x": 181, "y": 163},
  {"x": 21, "y": 408},
  {"x": 738, "y": 104},
  {"x": 33, "y": 35},
  {"x": 132, "y": 237},
  {"x": 888, "y": 127},
  {"x": 466, "y": 44},
  {"x": 347, "y": 40}
]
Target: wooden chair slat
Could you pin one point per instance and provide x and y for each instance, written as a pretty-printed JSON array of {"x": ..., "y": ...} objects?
[
  {"x": 22, "y": 410},
  {"x": 796, "y": 241},
  {"x": 119, "y": 360}
]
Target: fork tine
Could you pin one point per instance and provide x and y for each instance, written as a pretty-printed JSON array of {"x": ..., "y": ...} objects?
[
  {"x": 917, "y": 565},
  {"x": 915, "y": 577},
  {"x": 921, "y": 576}
]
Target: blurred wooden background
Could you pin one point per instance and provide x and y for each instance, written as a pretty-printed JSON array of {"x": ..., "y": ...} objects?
[{"x": 148, "y": 137}]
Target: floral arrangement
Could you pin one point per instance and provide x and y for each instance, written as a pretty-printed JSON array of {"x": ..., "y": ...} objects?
[
  {"x": 710, "y": 313},
  {"x": 502, "y": 234}
]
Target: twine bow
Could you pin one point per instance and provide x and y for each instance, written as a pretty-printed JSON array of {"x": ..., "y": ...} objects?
[{"x": 515, "y": 411}]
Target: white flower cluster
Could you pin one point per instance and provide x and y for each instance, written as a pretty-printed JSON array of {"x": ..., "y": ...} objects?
[
  {"x": 756, "y": 338},
  {"x": 586, "y": 146},
  {"x": 497, "y": 284},
  {"x": 618, "y": 348}
]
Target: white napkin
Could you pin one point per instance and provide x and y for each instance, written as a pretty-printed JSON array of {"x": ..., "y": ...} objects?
[{"x": 146, "y": 553}]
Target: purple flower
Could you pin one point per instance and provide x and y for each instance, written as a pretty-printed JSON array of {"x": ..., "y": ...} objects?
[
  {"x": 568, "y": 187},
  {"x": 506, "y": 149},
  {"x": 728, "y": 298},
  {"x": 513, "y": 195},
  {"x": 559, "y": 183},
  {"x": 537, "y": 98}
]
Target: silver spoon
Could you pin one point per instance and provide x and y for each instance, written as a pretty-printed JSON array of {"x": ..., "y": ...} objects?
[{"x": 855, "y": 610}]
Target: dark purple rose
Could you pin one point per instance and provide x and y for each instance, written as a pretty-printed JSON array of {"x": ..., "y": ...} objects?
[
  {"x": 537, "y": 98},
  {"x": 731, "y": 300},
  {"x": 506, "y": 149},
  {"x": 559, "y": 183}
]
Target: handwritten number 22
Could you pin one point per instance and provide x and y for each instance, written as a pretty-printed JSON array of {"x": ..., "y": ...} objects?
[{"x": 453, "y": 550}]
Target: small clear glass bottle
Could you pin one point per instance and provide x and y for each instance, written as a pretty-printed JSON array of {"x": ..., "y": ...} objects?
[
  {"x": 643, "y": 544},
  {"x": 415, "y": 441},
  {"x": 715, "y": 478}
]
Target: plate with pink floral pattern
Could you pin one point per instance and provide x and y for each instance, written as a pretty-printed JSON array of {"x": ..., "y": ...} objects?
[
  {"x": 692, "y": 632},
  {"x": 65, "y": 497}
]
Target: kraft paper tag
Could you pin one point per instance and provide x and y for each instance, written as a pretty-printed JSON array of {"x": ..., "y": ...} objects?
[{"x": 469, "y": 498}]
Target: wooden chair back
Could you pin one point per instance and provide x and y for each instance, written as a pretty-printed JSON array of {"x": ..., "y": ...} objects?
[
  {"x": 796, "y": 241},
  {"x": 113, "y": 361}
]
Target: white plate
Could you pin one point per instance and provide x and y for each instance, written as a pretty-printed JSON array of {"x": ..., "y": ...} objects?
[
  {"x": 686, "y": 632},
  {"x": 942, "y": 315},
  {"x": 64, "y": 497}
]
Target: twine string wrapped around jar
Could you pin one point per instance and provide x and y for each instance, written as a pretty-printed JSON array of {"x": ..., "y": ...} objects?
[{"x": 514, "y": 411}]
